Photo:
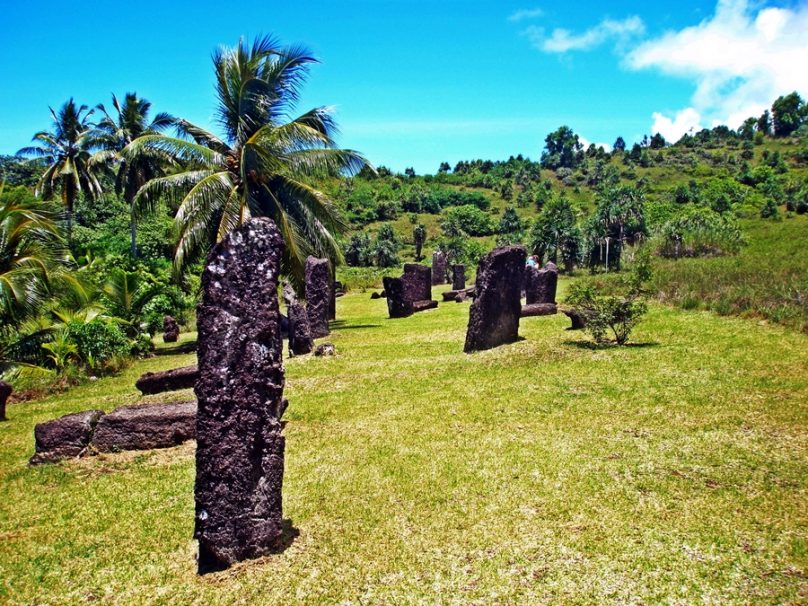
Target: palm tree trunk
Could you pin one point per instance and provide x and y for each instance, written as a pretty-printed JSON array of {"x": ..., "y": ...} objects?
[
  {"x": 68, "y": 199},
  {"x": 132, "y": 233}
]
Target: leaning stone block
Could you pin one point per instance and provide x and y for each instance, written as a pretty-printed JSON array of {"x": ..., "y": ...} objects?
[{"x": 168, "y": 380}]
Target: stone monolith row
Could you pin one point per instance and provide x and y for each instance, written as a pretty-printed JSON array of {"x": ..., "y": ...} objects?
[
  {"x": 240, "y": 448},
  {"x": 494, "y": 315}
]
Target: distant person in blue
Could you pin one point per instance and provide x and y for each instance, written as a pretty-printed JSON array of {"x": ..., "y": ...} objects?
[{"x": 532, "y": 261}]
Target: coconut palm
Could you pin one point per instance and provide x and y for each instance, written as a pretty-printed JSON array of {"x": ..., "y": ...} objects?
[
  {"x": 263, "y": 165},
  {"x": 67, "y": 150},
  {"x": 113, "y": 133},
  {"x": 29, "y": 244}
]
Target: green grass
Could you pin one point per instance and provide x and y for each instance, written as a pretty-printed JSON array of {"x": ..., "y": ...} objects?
[
  {"x": 543, "y": 472},
  {"x": 767, "y": 279}
]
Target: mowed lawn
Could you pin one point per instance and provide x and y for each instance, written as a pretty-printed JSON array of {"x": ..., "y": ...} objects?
[{"x": 542, "y": 472}]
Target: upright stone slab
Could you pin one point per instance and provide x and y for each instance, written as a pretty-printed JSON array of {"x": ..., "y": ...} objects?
[
  {"x": 318, "y": 296},
  {"x": 239, "y": 454},
  {"x": 171, "y": 330},
  {"x": 397, "y": 305},
  {"x": 417, "y": 282},
  {"x": 438, "y": 268},
  {"x": 5, "y": 393},
  {"x": 541, "y": 284},
  {"x": 494, "y": 315},
  {"x": 458, "y": 277},
  {"x": 300, "y": 341}
]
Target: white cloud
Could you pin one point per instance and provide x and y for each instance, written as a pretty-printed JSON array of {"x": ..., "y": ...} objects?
[
  {"x": 563, "y": 40},
  {"x": 586, "y": 143},
  {"x": 525, "y": 13},
  {"x": 685, "y": 121},
  {"x": 740, "y": 59}
]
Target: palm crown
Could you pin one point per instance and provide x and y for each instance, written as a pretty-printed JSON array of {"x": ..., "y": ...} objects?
[
  {"x": 113, "y": 133},
  {"x": 263, "y": 166},
  {"x": 67, "y": 150}
]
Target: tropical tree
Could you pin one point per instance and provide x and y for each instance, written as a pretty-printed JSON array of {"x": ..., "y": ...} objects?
[
  {"x": 264, "y": 164},
  {"x": 556, "y": 234},
  {"x": 29, "y": 245},
  {"x": 113, "y": 133},
  {"x": 67, "y": 151}
]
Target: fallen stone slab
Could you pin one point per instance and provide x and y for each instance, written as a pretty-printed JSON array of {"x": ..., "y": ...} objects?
[
  {"x": 168, "y": 380},
  {"x": 182, "y": 348},
  {"x": 539, "y": 309},
  {"x": 452, "y": 295},
  {"x": 145, "y": 426},
  {"x": 424, "y": 305},
  {"x": 325, "y": 349},
  {"x": 63, "y": 438},
  {"x": 577, "y": 318}
]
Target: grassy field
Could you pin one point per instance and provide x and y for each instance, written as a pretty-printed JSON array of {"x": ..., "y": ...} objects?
[
  {"x": 543, "y": 472},
  {"x": 768, "y": 278}
]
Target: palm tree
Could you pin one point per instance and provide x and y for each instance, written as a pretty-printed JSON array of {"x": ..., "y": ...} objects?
[
  {"x": 264, "y": 164},
  {"x": 66, "y": 149},
  {"x": 113, "y": 134},
  {"x": 29, "y": 246}
]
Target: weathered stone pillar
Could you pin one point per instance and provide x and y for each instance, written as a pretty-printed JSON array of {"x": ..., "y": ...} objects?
[
  {"x": 318, "y": 296},
  {"x": 417, "y": 282},
  {"x": 5, "y": 392},
  {"x": 171, "y": 330},
  {"x": 397, "y": 305},
  {"x": 300, "y": 341},
  {"x": 494, "y": 315},
  {"x": 438, "y": 268},
  {"x": 458, "y": 277},
  {"x": 239, "y": 455},
  {"x": 541, "y": 284}
]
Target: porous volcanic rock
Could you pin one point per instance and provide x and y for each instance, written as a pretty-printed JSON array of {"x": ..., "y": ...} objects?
[
  {"x": 541, "y": 284},
  {"x": 5, "y": 393},
  {"x": 397, "y": 305},
  {"x": 167, "y": 380},
  {"x": 325, "y": 349},
  {"x": 171, "y": 330},
  {"x": 145, "y": 426},
  {"x": 494, "y": 315},
  {"x": 65, "y": 437},
  {"x": 438, "y": 268},
  {"x": 240, "y": 447},
  {"x": 417, "y": 282},
  {"x": 458, "y": 277},
  {"x": 577, "y": 318},
  {"x": 424, "y": 305},
  {"x": 318, "y": 296},
  {"x": 300, "y": 341},
  {"x": 539, "y": 309}
]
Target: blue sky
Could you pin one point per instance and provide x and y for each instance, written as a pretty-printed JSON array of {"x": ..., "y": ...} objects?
[{"x": 416, "y": 83}]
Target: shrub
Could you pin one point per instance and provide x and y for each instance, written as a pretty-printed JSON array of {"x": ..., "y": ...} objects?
[
  {"x": 699, "y": 232},
  {"x": 100, "y": 344},
  {"x": 468, "y": 219},
  {"x": 606, "y": 313}
]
